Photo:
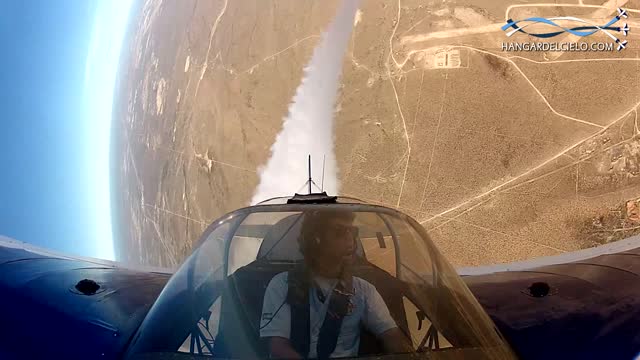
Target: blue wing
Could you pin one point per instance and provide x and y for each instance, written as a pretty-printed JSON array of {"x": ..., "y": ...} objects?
[
  {"x": 44, "y": 314},
  {"x": 591, "y": 309}
]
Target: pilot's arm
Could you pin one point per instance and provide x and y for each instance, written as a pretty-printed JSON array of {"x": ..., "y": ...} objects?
[
  {"x": 378, "y": 321},
  {"x": 275, "y": 321}
]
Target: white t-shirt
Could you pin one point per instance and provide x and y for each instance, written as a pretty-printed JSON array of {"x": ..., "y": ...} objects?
[{"x": 368, "y": 308}]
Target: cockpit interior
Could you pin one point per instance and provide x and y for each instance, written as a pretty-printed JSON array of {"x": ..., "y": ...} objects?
[{"x": 212, "y": 305}]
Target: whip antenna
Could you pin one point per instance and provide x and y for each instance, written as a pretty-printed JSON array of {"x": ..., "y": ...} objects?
[
  {"x": 310, "y": 181},
  {"x": 322, "y": 181}
]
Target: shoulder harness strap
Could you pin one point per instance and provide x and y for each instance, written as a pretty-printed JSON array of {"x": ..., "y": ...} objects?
[{"x": 298, "y": 300}]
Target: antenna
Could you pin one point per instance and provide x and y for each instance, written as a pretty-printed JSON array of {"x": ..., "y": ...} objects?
[
  {"x": 322, "y": 182},
  {"x": 310, "y": 181}
]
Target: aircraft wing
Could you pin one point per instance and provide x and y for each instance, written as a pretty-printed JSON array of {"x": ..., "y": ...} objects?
[
  {"x": 45, "y": 315},
  {"x": 579, "y": 305}
]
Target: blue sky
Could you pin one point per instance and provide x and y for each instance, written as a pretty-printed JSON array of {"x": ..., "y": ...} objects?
[{"x": 57, "y": 75}]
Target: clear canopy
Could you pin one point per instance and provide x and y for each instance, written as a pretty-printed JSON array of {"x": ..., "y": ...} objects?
[{"x": 212, "y": 306}]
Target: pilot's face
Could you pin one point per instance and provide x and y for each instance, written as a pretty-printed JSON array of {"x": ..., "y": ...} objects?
[{"x": 338, "y": 240}]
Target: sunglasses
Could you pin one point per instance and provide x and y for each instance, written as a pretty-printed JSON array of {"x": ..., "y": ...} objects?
[{"x": 339, "y": 230}]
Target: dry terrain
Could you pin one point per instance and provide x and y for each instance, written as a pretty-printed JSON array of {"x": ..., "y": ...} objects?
[{"x": 502, "y": 156}]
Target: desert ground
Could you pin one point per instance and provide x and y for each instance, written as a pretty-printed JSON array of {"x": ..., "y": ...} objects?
[{"x": 500, "y": 155}]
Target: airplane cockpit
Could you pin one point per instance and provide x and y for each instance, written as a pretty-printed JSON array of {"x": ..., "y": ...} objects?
[{"x": 213, "y": 306}]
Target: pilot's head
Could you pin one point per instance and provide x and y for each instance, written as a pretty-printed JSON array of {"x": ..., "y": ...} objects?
[{"x": 328, "y": 237}]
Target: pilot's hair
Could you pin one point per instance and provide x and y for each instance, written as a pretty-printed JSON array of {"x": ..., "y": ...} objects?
[{"x": 314, "y": 223}]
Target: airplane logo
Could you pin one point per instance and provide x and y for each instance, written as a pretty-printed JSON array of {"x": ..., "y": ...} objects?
[
  {"x": 584, "y": 28},
  {"x": 624, "y": 29},
  {"x": 622, "y": 13},
  {"x": 621, "y": 44}
]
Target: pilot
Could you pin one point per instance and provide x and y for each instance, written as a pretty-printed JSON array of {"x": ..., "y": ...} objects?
[{"x": 324, "y": 298}]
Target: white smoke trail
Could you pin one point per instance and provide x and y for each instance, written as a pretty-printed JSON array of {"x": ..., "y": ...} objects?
[{"x": 308, "y": 128}]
